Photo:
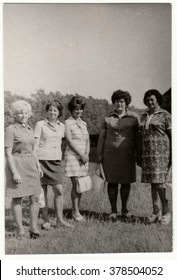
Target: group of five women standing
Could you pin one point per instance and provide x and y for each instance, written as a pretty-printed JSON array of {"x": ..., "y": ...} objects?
[{"x": 123, "y": 141}]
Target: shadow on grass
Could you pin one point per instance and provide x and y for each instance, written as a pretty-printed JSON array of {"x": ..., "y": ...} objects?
[
  {"x": 105, "y": 217},
  {"x": 10, "y": 225}
]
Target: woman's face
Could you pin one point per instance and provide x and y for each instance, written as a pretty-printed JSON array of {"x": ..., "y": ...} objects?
[
  {"x": 53, "y": 113},
  {"x": 22, "y": 116},
  {"x": 120, "y": 105},
  {"x": 151, "y": 102},
  {"x": 77, "y": 112}
]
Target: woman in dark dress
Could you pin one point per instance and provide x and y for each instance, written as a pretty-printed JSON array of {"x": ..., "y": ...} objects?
[{"x": 117, "y": 150}]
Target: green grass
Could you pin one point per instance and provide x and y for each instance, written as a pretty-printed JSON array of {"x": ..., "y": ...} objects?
[{"x": 97, "y": 234}]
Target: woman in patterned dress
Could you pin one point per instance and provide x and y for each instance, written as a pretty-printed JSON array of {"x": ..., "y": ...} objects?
[
  {"x": 77, "y": 151},
  {"x": 117, "y": 150},
  {"x": 22, "y": 167},
  {"x": 155, "y": 156}
]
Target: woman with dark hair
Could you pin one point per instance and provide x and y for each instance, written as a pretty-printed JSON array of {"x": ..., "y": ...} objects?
[
  {"x": 117, "y": 150},
  {"x": 155, "y": 152},
  {"x": 77, "y": 151},
  {"x": 48, "y": 136}
]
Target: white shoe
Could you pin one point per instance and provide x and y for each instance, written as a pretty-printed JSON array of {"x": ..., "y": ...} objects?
[
  {"x": 78, "y": 217},
  {"x": 46, "y": 226},
  {"x": 113, "y": 216},
  {"x": 155, "y": 217},
  {"x": 166, "y": 219}
]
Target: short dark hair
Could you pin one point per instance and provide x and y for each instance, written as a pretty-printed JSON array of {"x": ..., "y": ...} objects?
[
  {"x": 75, "y": 102},
  {"x": 154, "y": 92},
  {"x": 118, "y": 94},
  {"x": 56, "y": 104}
]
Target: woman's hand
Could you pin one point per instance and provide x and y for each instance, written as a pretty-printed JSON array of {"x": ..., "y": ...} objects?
[
  {"x": 87, "y": 156},
  {"x": 40, "y": 172},
  {"x": 84, "y": 158},
  {"x": 17, "y": 178},
  {"x": 100, "y": 158}
]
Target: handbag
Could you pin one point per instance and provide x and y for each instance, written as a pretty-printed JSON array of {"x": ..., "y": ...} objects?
[
  {"x": 84, "y": 184},
  {"x": 99, "y": 179}
]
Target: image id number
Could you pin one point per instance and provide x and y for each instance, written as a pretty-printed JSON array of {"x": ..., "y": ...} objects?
[{"x": 116, "y": 270}]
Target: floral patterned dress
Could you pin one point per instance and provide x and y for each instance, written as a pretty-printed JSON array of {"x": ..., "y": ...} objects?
[{"x": 155, "y": 146}]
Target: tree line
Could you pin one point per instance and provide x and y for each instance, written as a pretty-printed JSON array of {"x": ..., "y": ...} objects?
[{"x": 94, "y": 111}]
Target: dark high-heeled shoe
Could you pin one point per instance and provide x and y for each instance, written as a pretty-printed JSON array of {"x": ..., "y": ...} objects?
[{"x": 34, "y": 235}]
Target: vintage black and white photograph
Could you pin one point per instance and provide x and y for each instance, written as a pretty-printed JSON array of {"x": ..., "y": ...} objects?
[{"x": 87, "y": 125}]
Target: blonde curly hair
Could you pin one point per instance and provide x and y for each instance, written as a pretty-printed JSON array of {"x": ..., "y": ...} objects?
[{"x": 21, "y": 105}]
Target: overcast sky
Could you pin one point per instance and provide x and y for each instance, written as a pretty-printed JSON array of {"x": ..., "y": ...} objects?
[{"x": 89, "y": 49}]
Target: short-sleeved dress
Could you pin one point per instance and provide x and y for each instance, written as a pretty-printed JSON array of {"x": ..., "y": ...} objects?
[
  {"x": 119, "y": 154},
  {"x": 155, "y": 146},
  {"x": 21, "y": 139},
  {"x": 49, "y": 151},
  {"x": 73, "y": 165}
]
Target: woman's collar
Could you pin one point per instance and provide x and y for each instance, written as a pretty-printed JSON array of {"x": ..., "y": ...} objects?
[
  {"x": 21, "y": 125},
  {"x": 147, "y": 112}
]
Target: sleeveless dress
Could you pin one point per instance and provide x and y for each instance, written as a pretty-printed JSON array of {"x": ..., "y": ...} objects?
[
  {"x": 21, "y": 139},
  {"x": 79, "y": 134}
]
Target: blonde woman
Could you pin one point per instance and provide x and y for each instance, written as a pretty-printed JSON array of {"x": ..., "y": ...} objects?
[{"x": 22, "y": 167}]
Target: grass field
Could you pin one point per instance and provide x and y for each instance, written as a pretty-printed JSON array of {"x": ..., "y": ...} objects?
[{"x": 97, "y": 234}]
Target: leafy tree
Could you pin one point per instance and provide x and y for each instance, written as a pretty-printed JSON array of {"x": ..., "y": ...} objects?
[{"x": 94, "y": 111}]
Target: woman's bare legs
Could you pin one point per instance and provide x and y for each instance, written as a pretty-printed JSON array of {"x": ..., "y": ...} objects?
[
  {"x": 164, "y": 201},
  {"x": 58, "y": 203},
  {"x": 75, "y": 196},
  {"x": 76, "y": 199},
  {"x": 44, "y": 210},
  {"x": 17, "y": 214},
  {"x": 34, "y": 210},
  {"x": 155, "y": 199}
]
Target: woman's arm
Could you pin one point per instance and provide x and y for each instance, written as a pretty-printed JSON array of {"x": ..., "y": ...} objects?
[
  {"x": 138, "y": 142},
  {"x": 16, "y": 176},
  {"x": 170, "y": 139},
  {"x": 100, "y": 145},
  {"x": 87, "y": 149},
  {"x": 72, "y": 145},
  {"x": 36, "y": 145}
]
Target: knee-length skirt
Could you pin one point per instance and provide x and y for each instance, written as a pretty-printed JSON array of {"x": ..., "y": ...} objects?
[{"x": 27, "y": 169}]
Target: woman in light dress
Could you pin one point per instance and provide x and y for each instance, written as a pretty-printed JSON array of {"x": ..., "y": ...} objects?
[
  {"x": 48, "y": 138},
  {"x": 22, "y": 167},
  {"x": 77, "y": 151}
]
